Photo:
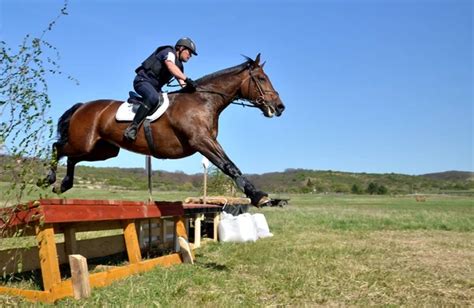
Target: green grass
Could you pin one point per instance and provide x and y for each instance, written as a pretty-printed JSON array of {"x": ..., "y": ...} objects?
[{"x": 326, "y": 250}]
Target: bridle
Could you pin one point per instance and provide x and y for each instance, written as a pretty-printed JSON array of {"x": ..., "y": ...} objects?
[{"x": 259, "y": 101}]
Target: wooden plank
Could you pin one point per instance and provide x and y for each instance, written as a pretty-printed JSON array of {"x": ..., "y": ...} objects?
[
  {"x": 131, "y": 242},
  {"x": 103, "y": 279},
  {"x": 48, "y": 256},
  {"x": 79, "y": 276},
  {"x": 88, "y": 226},
  {"x": 90, "y": 248},
  {"x": 31, "y": 295},
  {"x": 74, "y": 210}
]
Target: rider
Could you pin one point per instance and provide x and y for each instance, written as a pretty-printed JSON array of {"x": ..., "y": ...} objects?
[{"x": 157, "y": 70}]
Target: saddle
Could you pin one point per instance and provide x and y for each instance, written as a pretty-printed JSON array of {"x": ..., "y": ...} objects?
[
  {"x": 127, "y": 110},
  {"x": 136, "y": 100}
]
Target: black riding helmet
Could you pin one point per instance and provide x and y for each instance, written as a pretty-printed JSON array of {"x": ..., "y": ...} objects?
[{"x": 188, "y": 43}]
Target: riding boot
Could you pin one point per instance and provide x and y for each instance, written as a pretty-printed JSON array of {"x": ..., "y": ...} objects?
[{"x": 130, "y": 133}]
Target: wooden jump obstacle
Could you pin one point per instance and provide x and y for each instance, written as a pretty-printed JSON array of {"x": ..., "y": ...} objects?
[{"x": 48, "y": 217}]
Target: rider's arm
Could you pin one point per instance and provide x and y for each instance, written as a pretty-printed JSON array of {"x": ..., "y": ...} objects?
[{"x": 176, "y": 72}]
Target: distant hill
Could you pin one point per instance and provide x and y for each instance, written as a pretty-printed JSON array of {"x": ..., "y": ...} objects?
[
  {"x": 451, "y": 176},
  {"x": 288, "y": 181}
]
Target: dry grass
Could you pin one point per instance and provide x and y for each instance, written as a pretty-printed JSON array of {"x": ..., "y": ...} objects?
[{"x": 327, "y": 251}]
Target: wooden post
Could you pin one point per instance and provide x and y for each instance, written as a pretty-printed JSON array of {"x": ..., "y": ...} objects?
[
  {"x": 204, "y": 201},
  {"x": 48, "y": 256},
  {"x": 70, "y": 245},
  {"x": 205, "y": 164},
  {"x": 131, "y": 241},
  {"x": 180, "y": 228},
  {"x": 185, "y": 250},
  {"x": 148, "y": 173},
  {"x": 182, "y": 239},
  {"x": 79, "y": 276},
  {"x": 197, "y": 230},
  {"x": 217, "y": 218},
  {"x": 163, "y": 232}
]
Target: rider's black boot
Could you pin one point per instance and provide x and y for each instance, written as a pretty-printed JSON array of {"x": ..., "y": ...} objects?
[{"x": 130, "y": 133}]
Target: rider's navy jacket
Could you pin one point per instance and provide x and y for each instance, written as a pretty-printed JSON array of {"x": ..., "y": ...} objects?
[{"x": 154, "y": 70}]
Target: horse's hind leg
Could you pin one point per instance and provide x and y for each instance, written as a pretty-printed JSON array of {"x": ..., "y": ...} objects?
[
  {"x": 101, "y": 151},
  {"x": 68, "y": 180},
  {"x": 53, "y": 166}
]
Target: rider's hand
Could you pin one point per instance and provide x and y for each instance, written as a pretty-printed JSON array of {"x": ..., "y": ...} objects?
[{"x": 191, "y": 84}]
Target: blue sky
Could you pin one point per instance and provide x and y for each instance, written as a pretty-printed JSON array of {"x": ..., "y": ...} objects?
[{"x": 369, "y": 86}]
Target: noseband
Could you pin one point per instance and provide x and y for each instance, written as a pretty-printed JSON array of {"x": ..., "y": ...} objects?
[{"x": 260, "y": 100}]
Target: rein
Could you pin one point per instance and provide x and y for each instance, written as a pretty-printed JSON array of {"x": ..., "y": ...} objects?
[
  {"x": 231, "y": 98},
  {"x": 260, "y": 100}
]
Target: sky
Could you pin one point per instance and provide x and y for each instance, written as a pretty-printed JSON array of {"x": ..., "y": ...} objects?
[{"x": 369, "y": 86}]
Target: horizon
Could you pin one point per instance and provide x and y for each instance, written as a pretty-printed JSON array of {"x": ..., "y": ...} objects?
[
  {"x": 368, "y": 87},
  {"x": 285, "y": 170}
]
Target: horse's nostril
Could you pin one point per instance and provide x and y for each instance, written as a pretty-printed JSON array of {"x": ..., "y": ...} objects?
[{"x": 281, "y": 108}]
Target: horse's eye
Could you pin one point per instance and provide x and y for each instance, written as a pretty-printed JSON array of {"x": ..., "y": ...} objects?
[{"x": 261, "y": 78}]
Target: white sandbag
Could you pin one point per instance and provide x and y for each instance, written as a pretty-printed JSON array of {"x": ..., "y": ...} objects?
[
  {"x": 247, "y": 228},
  {"x": 237, "y": 228},
  {"x": 261, "y": 225},
  {"x": 228, "y": 228}
]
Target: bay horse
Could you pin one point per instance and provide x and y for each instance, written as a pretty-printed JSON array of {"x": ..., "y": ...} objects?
[{"x": 89, "y": 131}]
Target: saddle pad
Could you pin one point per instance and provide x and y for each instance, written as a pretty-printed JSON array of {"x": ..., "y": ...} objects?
[{"x": 126, "y": 111}]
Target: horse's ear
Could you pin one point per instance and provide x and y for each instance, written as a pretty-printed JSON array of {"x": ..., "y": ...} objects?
[
  {"x": 249, "y": 60},
  {"x": 257, "y": 60},
  {"x": 263, "y": 64}
]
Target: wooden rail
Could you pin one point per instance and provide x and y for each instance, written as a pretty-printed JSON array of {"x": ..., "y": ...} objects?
[{"x": 47, "y": 217}]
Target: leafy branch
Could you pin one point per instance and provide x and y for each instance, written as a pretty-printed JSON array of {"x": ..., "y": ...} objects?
[{"x": 26, "y": 128}]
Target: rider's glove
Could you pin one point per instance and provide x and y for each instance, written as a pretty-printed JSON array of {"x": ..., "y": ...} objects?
[{"x": 191, "y": 84}]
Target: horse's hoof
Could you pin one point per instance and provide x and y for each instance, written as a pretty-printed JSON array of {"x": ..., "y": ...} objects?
[
  {"x": 42, "y": 183},
  {"x": 265, "y": 200}
]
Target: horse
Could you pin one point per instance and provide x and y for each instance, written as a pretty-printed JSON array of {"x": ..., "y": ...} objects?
[{"x": 89, "y": 131}]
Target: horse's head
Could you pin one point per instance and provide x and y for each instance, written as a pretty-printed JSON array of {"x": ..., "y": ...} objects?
[{"x": 257, "y": 88}]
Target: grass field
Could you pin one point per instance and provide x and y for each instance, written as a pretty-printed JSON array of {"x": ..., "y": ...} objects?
[{"x": 326, "y": 250}]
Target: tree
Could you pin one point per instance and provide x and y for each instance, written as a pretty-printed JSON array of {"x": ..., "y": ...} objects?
[
  {"x": 356, "y": 189},
  {"x": 372, "y": 188},
  {"x": 382, "y": 190},
  {"x": 24, "y": 104},
  {"x": 219, "y": 183}
]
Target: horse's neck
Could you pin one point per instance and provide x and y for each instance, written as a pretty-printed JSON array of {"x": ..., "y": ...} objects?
[{"x": 226, "y": 88}]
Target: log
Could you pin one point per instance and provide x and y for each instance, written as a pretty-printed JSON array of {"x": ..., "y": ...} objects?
[
  {"x": 219, "y": 200},
  {"x": 79, "y": 276}
]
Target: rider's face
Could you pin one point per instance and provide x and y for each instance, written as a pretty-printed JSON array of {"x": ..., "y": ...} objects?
[{"x": 185, "y": 55}]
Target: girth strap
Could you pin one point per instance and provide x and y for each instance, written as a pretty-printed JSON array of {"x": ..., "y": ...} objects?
[{"x": 149, "y": 137}]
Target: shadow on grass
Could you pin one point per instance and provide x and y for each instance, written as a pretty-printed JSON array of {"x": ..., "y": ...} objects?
[{"x": 213, "y": 266}]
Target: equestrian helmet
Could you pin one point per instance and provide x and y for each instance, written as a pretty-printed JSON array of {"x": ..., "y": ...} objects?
[{"x": 188, "y": 43}]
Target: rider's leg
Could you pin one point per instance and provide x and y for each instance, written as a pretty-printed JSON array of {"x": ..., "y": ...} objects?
[{"x": 151, "y": 98}]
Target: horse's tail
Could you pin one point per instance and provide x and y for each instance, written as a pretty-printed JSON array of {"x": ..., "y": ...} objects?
[{"x": 63, "y": 125}]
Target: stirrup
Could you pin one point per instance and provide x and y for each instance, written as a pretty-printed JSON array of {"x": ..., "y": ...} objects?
[{"x": 131, "y": 132}]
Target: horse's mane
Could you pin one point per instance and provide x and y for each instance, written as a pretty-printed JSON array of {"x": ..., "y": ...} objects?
[{"x": 227, "y": 71}]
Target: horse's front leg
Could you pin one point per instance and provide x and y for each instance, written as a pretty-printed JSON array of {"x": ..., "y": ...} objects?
[{"x": 214, "y": 152}]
